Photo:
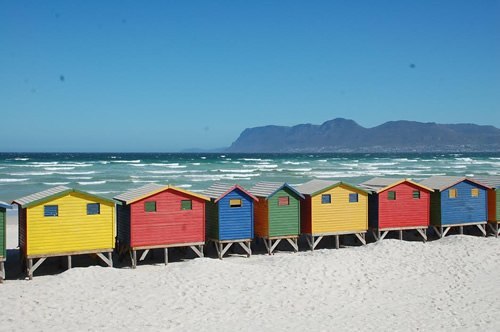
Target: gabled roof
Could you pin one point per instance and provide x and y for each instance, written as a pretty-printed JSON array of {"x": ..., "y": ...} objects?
[
  {"x": 492, "y": 181},
  {"x": 268, "y": 189},
  {"x": 218, "y": 190},
  {"x": 50, "y": 194},
  {"x": 151, "y": 189},
  {"x": 5, "y": 205},
  {"x": 315, "y": 187},
  {"x": 443, "y": 182},
  {"x": 377, "y": 185}
]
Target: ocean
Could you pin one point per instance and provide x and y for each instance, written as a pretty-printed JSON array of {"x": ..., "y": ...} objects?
[{"x": 108, "y": 174}]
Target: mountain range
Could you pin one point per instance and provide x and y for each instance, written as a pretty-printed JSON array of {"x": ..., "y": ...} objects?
[{"x": 344, "y": 135}]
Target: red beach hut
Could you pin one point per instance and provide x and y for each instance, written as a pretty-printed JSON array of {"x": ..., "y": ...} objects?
[
  {"x": 158, "y": 216},
  {"x": 397, "y": 205}
]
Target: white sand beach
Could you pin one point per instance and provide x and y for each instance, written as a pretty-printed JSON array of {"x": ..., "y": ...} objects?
[{"x": 448, "y": 284}]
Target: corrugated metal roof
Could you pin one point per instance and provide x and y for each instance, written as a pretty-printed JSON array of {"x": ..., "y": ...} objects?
[
  {"x": 492, "y": 181},
  {"x": 217, "y": 189},
  {"x": 52, "y": 193},
  {"x": 144, "y": 191},
  {"x": 150, "y": 189},
  {"x": 441, "y": 182},
  {"x": 314, "y": 186},
  {"x": 267, "y": 189},
  {"x": 220, "y": 189},
  {"x": 380, "y": 184},
  {"x": 40, "y": 195},
  {"x": 377, "y": 184},
  {"x": 5, "y": 205}
]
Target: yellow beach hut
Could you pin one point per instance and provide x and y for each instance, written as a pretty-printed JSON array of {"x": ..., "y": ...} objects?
[
  {"x": 63, "y": 222},
  {"x": 332, "y": 208}
]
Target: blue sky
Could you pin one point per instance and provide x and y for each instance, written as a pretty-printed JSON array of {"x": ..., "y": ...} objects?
[{"x": 169, "y": 75}]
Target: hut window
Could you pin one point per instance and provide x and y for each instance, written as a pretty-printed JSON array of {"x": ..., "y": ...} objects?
[
  {"x": 326, "y": 199},
  {"x": 452, "y": 193},
  {"x": 416, "y": 194},
  {"x": 474, "y": 192},
  {"x": 353, "y": 198},
  {"x": 283, "y": 200},
  {"x": 186, "y": 204},
  {"x": 391, "y": 195},
  {"x": 235, "y": 203},
  {"x": 93, "y": 208},
  {"x": 150, "y": 206},
  {"x": 51, "y": 210}
]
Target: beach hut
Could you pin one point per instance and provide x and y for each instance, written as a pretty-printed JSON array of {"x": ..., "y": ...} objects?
[
  {"x": 277, "y": 214},
  {"x": 493, "y": 182},
  {"x": 3, "y": 238},
  {"x": 229, "y": 217},
  {"x": 64, "y": 222},
  {"x": 158, "y": 216},
  {"x": 397, "y": 205},
  {"x": 333, "y": 208},
  {"x": 457, "y": 202}
]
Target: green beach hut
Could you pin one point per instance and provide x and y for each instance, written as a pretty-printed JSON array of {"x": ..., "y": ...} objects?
[{"x": 277, "y": 214}]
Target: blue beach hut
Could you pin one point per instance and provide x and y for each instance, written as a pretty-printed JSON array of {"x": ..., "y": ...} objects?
[
  {"x": 457, "y": 202},
  {"x": 229, "y": 217}
]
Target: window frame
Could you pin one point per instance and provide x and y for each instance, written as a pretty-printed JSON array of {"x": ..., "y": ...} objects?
[
  {"x": 56, "y": 206},
  {"x": 416, "y": 194},
  {"x": 474, "y": 192},
  {"x": 98, "y": 209},
  {"x": 351, "y": 195},
  {"x": 281, "y": 199},
  {"x": 391, "y": 195},
  {"x": 234, "y": 205},
  {"x": 184, "y": 208},
  {"x": 324, "y": 196},
  {"x": 452, "y": 193},
  {"x": 149, "y": 210}
]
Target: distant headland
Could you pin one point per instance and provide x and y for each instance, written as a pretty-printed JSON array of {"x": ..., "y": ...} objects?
[{"x": 344, "y": 135}]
